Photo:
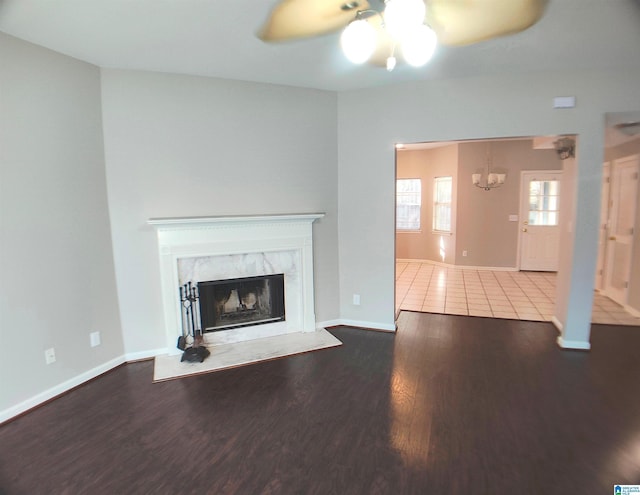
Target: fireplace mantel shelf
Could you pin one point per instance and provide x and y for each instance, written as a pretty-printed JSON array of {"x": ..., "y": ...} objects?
[{"x": 233, "y": 219}]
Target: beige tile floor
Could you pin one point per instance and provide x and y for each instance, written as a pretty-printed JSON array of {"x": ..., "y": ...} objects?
[{"x": 432, "y": 288}]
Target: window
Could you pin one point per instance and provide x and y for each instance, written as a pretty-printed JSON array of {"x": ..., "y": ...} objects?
[
  {"x": 408, "y": 203},
  {"x": 543, "y": 202},
  {"x": 442, "y": 204}
]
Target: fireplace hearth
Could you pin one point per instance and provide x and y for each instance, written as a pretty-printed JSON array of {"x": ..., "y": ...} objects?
[{"x": 241, "y": 302}]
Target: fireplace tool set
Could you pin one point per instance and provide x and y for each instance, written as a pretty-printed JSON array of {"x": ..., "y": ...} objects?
[{"x": 196, "y": 352}]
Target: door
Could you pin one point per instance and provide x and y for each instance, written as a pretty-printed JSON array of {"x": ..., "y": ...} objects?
[
  {"x": 539, "y": 212},
  {"x": 622, "y": 216},
  {"x": 604, "y": 225}
]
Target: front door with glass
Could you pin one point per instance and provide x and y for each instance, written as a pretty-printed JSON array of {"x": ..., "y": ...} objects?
[{"x": 539, "y": 212}]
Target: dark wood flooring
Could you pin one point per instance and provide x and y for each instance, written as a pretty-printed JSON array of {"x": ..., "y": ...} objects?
[{"x": 448, "y": 405}]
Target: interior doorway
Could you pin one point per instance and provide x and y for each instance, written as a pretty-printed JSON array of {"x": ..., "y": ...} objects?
[
  {"x": 458, "y": 248},
  {"x": 619, "y": 255}
]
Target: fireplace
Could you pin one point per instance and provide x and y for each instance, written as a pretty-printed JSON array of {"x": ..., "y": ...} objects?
[
  {"x": 241, "y": 302},
  {"x": 198, "y": 250}
]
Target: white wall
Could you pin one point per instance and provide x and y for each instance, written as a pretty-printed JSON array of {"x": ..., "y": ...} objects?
[
  {"x": 190, "y": 146},
  {"x": 57, "y": 279},
  {"x": 371, "y": 121}
]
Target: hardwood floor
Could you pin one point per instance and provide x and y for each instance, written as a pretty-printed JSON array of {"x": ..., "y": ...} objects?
[{"x": 448, "y": 405}]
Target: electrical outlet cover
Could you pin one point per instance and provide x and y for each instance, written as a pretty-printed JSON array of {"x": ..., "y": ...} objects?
[{"x": 50, "y": 356}]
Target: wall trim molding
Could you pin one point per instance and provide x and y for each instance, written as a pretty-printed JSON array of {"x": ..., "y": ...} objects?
[
  {"x": 557, "y": 323},
  {"x": 58, "y": 390},
  {"x": 461, "y": 267},
  {"x": 132, "y": 357},
  {"x": 365, "y": 325},
  {"x": 632, "y": 311},
  {"x": 578, "y": 345}
]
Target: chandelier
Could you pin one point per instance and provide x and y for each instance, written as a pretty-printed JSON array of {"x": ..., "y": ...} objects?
[
  {"x": 401, "y": 23},
  {"x": 489, "y": 180}
]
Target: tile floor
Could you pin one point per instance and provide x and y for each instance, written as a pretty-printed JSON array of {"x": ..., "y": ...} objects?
[{"x": 432, "y": 288}]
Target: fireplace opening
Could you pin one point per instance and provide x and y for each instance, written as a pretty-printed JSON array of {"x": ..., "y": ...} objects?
[{"x": 241, "y": 302}]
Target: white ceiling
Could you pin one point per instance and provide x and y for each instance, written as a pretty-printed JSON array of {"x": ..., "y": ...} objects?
[{"x": 217, "y": 38}]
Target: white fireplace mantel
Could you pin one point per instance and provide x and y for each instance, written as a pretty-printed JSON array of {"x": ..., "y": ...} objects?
[{"x": 264, "y": 243}]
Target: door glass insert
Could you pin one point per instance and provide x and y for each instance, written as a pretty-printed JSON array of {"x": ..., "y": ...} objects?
[{"x": 543, "y": 202}]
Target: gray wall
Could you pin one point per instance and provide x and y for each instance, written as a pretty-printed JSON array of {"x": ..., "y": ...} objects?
[
  {"x": 190, "y": 146},
  {"x": 371, "y": 121},
  {"x": 57, "y": 278}
]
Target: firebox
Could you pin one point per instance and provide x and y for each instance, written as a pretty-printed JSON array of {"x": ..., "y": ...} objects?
[{"x": 241, "y": 302}]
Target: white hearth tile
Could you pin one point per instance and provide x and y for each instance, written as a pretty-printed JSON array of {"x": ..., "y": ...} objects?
[{"x": 226, "y": 356}]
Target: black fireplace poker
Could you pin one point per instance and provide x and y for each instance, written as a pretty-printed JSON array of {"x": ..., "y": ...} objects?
[{"x": 196, "y": 352}]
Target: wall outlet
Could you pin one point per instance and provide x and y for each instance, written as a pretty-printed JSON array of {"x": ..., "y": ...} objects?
[
  {"x": 50, "y": 356},
  {"x": 356, "y": 299},
  {"x": 94, "y": 338},
  {"x": 464, "y": 253}
]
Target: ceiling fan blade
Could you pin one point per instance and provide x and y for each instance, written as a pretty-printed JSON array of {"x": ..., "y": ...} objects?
[
  {"x": 293, "y": 19},
  {"x": 463, "y": 22}
]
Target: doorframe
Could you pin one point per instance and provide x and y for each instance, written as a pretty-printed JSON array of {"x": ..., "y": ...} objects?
[
  {"x": 607, "y": 255},
  {"x": 520, "y": 212},
  {"x": 601, "y": 260}
]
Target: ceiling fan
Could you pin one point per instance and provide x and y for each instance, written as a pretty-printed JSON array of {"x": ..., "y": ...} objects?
[{"x": 403, "y": 28}]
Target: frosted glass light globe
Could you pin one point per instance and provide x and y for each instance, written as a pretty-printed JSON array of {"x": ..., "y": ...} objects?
[
  {"x": 419, "y": 45},
  {"x": 401, "y": 16},
  {"x": 358, "y": 41}
]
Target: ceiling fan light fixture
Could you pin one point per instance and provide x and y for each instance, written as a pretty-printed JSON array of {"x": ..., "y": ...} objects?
[
  {"x": 419, "y": 45},
  {"x": 358, "y": 41},
  {"x": 350, "y": 5},
  {"x": 401, "y": 16},
  {"x": 391, "y": 63}
]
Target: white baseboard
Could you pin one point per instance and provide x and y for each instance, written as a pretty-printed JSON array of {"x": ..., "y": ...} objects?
[
  {"x": 580, "y": 345},
  {"x": 139, "y": 356},
  {"x": 632, "y": 311},
  {"x": 63, "y": 387},
  {"x": 461, "y": 267},
  {"x": 557, "y": 323},
  {"x": 356, "y": 323},
  {"x": 321, "y": 325},
  {"x": 59, "y": 389}
]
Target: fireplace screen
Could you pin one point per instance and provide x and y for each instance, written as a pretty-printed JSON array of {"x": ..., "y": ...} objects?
[{"x": 241, "y": 302}]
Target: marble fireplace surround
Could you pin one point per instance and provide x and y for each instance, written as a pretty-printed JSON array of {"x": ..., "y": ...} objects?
[{"x": 212, "y": 248}]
